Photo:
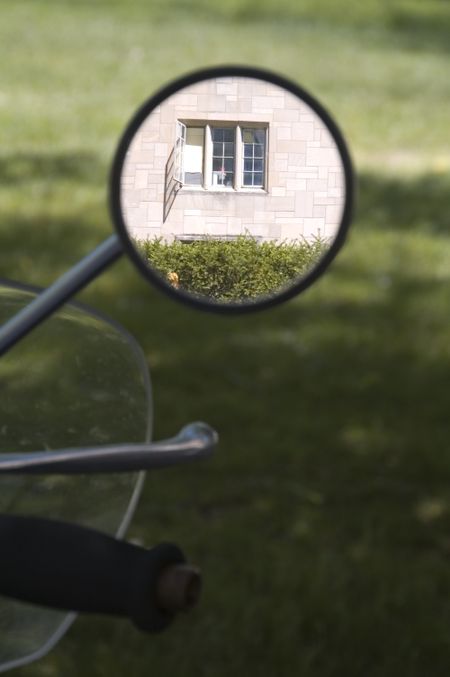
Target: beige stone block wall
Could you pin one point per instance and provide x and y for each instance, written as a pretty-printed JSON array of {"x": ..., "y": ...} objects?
[{"x": 303, "y": 192}]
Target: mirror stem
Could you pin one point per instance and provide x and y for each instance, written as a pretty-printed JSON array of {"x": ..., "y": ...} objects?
[{"x": 59, "y": 292}]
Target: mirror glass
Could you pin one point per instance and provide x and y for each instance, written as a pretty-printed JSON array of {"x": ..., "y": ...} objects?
[{"x": 234, "y": 190}]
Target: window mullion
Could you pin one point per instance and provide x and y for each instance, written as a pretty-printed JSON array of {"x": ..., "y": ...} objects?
[
  {"x": 238, "y": 177},
  {"x": 208, "y": 158}
]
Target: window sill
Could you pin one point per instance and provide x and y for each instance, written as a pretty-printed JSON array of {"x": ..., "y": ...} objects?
[{"x": 218, "y": 191}]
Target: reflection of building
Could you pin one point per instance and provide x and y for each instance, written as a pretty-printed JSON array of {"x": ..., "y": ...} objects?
[{"x": 230, "y": 156}]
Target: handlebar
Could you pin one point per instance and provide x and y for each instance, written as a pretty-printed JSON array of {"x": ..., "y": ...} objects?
[
  {"x": 193, "y": 442},
  {"x": 74, "y": 568}
]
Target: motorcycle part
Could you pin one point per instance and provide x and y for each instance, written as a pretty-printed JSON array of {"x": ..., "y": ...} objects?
[
  {"x": 81, "y": 380},
  {"x": 194, "y": 442},
  {"x": 232, "y": 189},
  {"x": 65, "y": 566}
]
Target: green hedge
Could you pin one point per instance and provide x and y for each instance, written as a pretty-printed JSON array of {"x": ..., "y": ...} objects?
[{"x": 233, "y": 270}]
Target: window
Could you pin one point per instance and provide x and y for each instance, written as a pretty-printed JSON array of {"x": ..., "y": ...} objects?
[
  {"x": 218, "y": 157},
  {"x": 189, "y": 155},
  {"x": 193, "y": 156},
  {"x": 223, "y": 156},
  {"x": 254, "y": 143}
]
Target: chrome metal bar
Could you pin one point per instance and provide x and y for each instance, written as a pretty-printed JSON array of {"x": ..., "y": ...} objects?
[
  {"x": 195, "y": 441},
  {"x": 60, "y": 291}
]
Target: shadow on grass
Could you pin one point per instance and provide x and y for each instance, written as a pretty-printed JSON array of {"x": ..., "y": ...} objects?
[
  {"x": 425, "y": 28},
  {"x": 323, "y": 520},
  {"x": 401, "y": 204},
  {"x": 52, "y": 215},
  {"x": 20, "y": 168},
  {"x": 322, "y": 523},
  {"x": 36, "y": 249},
  {"x": 413, "y": 25},
  {"x": 376, "y": 370},
  {"x": 368, "y": 391},
  {"x": 331, "y": 476},
  {"x": 66, "y": 232},
  {"x": 410, "y": 24}
]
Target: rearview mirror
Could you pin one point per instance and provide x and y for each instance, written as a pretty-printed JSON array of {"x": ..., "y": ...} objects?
[{"x": 232, "y": 188}]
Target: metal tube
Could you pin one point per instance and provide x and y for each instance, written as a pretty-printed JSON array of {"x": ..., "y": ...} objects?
[
  {"x": 178, "y": 588},
  {"x": 194, "y": 442},
  {"x": 60, "y": 291}
]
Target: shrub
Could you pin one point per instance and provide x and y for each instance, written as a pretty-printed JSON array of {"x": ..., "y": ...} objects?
[{"x": 232, "y": 270}]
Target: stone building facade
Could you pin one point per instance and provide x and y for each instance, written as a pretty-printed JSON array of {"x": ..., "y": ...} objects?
[{"x": 231, "y": 156}]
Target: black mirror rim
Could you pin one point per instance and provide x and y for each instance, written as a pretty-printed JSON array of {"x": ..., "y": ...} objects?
[{"x": 115, "y": 203}]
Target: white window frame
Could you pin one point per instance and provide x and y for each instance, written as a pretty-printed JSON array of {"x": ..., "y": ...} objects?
[
  {"x": 238, "y": 183},
  {"x": 180, "y": 142}
]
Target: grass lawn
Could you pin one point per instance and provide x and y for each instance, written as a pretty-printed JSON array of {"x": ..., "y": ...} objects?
[{"x": 323, "y": 524}]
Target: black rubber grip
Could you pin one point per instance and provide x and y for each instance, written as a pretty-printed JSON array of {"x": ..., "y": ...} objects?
[{"x": 65, "y": 566}]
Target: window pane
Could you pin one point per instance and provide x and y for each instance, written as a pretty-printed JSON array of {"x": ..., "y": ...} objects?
[
  {"x": 248, "y": 165},
  {"x": 248, "y": 176},
  {"x": 257, "y": 165},
  {"x": 228, "y": 179},
  {"x": 248, "y": 150},
  {"x": 254, "y": 136},
  {"x": 259, "y": 150},
  {"x": 194, "y": 136},
  {"x": 217, "y": 134},
  {"x": 223, "y": 133},
  {"x": 228, "y": 164},
  {"x": 228, "y": 134},
  {"x": 260, "y": 136},
  {"x": 193, "y": 156},
  {"x": 229, "y": 149},
  {"x": 257, "y": 179},
  {"x": 217, "y": 164},
  {"x": 222, "y": 178},
  {"x": 218, "y": 149},
  {"x": 193, "y": 178}
]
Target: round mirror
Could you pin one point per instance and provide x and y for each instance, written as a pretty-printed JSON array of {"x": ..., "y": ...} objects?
[{"x": 232, "y": 189}]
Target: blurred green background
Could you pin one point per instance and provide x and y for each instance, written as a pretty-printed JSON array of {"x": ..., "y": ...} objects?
[{"x": 323, "y": 523}]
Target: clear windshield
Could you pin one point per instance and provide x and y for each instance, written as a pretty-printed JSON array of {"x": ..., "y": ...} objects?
[{"x": 77, "y": 380}]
